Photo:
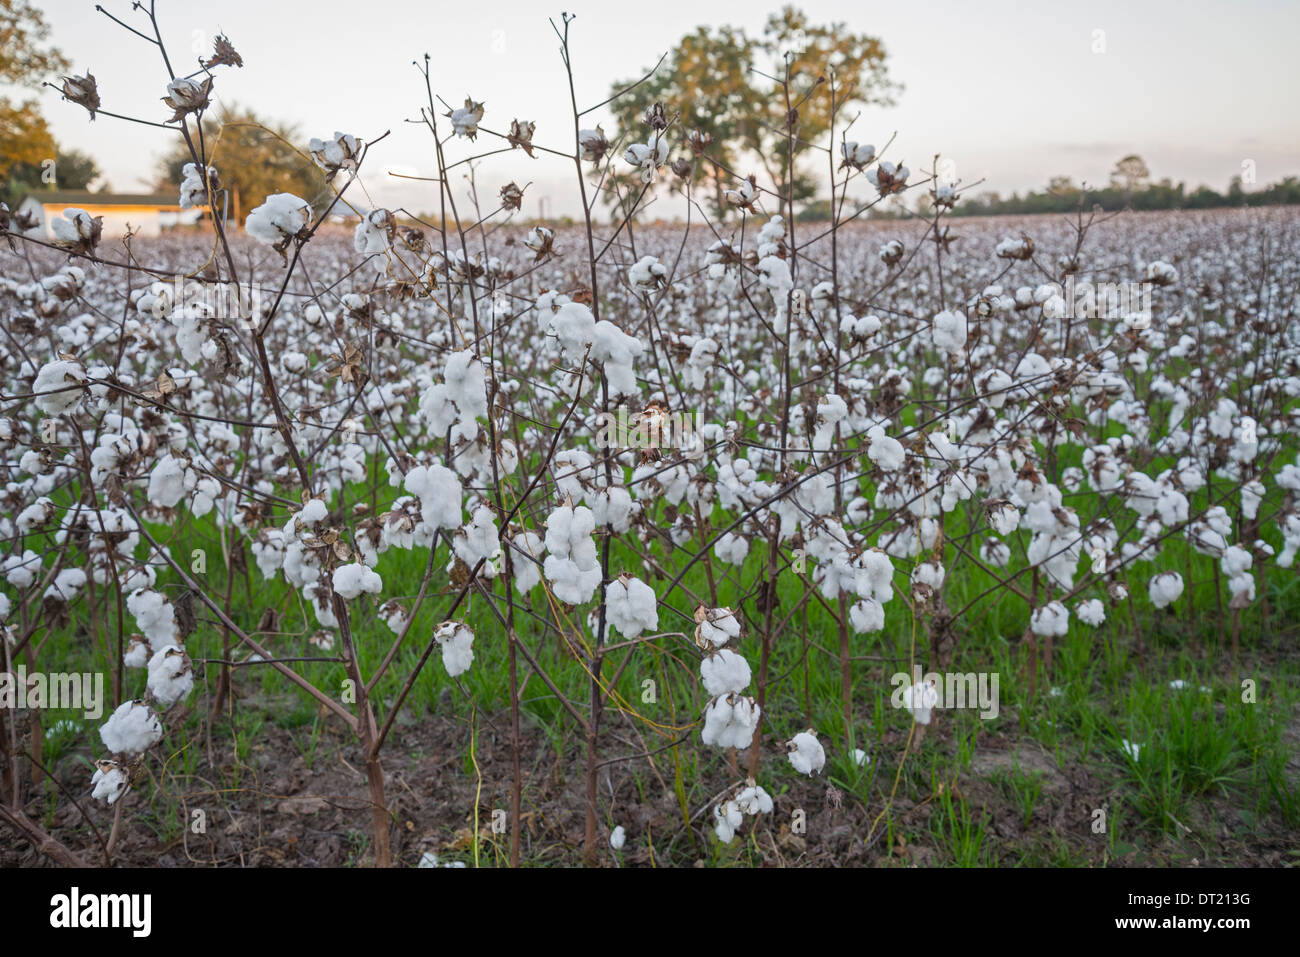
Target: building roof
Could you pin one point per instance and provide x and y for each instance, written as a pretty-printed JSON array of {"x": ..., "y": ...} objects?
[{"x": 67, "y": 197}]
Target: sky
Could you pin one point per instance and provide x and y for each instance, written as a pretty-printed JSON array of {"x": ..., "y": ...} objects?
[{"x": 1012, "y": 93}]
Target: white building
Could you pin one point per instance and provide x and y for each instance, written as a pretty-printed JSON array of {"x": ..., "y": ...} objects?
[{"x": 146, "y": 214}]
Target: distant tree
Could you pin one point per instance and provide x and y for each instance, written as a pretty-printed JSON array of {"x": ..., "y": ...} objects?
[
  {"x": 714, "y": 81},
  {"x": 254, "y": 158},
  {"x": 25, "y": 60},
  {"x": 71, "y": 170},
  {"x": 1131, "y": 172}
]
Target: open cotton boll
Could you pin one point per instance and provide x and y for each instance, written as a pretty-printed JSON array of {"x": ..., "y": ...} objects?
[
  {"x": 617, "y": 838},
  {"x": 109, "y": 782},
  {"x": 1129, "y": 749},
  {"x": 169, "y": 481},
  {"x": 730, "y": 722},
  {"x": 724, "y": 672},
  {"x": 632, "y": 607},
  {"x": 949, "y": 332},
  {"x": 716, "y": 626},
  {"x": 137, "y": 653},
  {"x": 1050, "y": 619},
  {"x": 279, "y": 219},
  {"x": 806, "y": 753},
  {"x": 477, "y": 541},
  {"x": 867, "y": 616},
  {"x": 919, "y": 700},
  {"x": 170, "y": 676},
  {"x": 753, "y": 800},
  {"x": 727, "y": 817},
  {"x": 1165, "y": 589},
  {"x": 1091, "y": 612},
  {"x": 132, "y": 729},
  {"x": 457, "y": 652},
  {"x": 61, "y": 374},
  {"x": 466, "y": 380},
  {"x": 884, "y": 451},
  {"x": 354, "y": 578},
  {"x": 528, "y": 551},
  {"x": 439, "y": 492},
  {"x": 155, "y": 616}
]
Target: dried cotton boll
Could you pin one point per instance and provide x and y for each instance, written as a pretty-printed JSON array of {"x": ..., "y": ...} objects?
[
  {"x": 132, "y": 729},
  {"x": 352, "y": 579},
  {"x": 170, "y": 676},
  {"x": 806, "y": 753},
  {"x": 457, "y": 652}
]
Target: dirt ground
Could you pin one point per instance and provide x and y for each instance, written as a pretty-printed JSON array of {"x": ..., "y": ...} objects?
[{"x": 271, "y": 808}]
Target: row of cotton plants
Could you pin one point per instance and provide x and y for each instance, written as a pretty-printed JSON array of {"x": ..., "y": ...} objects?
[{"x": 883, "y": 413}]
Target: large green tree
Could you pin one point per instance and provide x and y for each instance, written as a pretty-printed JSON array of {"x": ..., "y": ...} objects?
[
  {"x": 728, "y": 85},
  {"x": 254, "y": 157},
  {"x": 26, "y": 59}
]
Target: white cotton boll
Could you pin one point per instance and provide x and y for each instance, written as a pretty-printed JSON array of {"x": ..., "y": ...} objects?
[
  {"x": 137, "y": 654},
  {"x": 477, "y": 541},
  {"x": 193, "y": 191},
  {"x": 155, "y": 617},
  {"x": 727, "y": 817},
  {"x": 132, "y": 729},
  {"x": 753, "y": 800},
  {"x": 66, "y": 585},
  {"x": 617, "y": 838},
  {"x": 1091, "y": 612},
  {"x": 1130, "y": 750},
  {"x": 724, "y": 672},
  {"x": 919, "y": 700},
  {"x": 632, "y": 607},
  {"x": 929, "y": 573},
  {"x": 279, "y": 219},
  {"x": 354, "y": 578},
  {"x": 371, "y": 235},
  {"x": 294, "y": 363},
  {"x": 439, "y": 492},
  {"x": 716, "y": 626},
  {"x": 466, "y": 380},
  {"x": 457, "y": 652},
  {"x": 1235, "y": 561},
  {"x": 169, "y": 481},
  {"x": 732, "y": 548},
  {"x": 170, "y": 676},
  {"x": 109, "y": 782},
  {"x": 1050, "y": 619},
  {"x": 806, "y": 753},
  {"x": 1165, "y": 589},
  {"x": 614, "y": 508},
  {"x": 730, "y": 722},
  {"x": 949, "y": 332},
  {"x": 884, "y": 451},
  {"x": 61, "y": 374},
  {"x": 861, "y": 758},
  {"x": 21, "y": 570},
  {"x": 867, "y": 616},
  {"x": 1004, "y": 518}
]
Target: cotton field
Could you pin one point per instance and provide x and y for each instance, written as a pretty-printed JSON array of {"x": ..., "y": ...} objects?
[{"x": 916, "y": 528}]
